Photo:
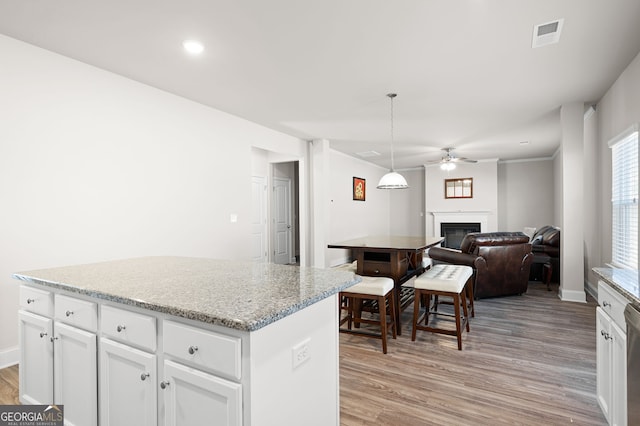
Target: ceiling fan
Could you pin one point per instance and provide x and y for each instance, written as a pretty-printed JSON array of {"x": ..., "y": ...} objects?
[{"x": 449, "y": 160}]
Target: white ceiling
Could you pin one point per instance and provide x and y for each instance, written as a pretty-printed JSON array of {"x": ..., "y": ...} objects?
[{"x": 464, "y": 70}]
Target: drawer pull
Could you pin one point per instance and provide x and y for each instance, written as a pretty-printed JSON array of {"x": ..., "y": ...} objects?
[
  {"x": 605, "y": 304},
  {"x": 164, "y": 384},
  {"x": 30, "y": 301},
  {"x": 68, "y": 313},
  {"x": 192, "y": 350},
  {"x": 144, "y": 376},
  {"x": 606, "y": 335},
  {"x": 120, "y": 328},
  {"x": 42, "y": 334}
]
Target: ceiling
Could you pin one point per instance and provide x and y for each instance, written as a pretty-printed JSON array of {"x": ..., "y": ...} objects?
[{"x": 464, "y": 71}]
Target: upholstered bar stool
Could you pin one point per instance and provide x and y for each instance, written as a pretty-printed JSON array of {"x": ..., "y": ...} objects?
[
  {"x": 379, "y": 289},
  {"x": 442, "y": 280}
]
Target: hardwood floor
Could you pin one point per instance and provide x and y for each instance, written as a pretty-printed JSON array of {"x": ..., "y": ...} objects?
[
  {"x": 528, "y": 360},
  {"x": 9, "y": 386}
]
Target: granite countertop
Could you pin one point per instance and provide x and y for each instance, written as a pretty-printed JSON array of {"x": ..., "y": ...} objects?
[
  {"x": 625, "y": 281},
  {"x": 241, "y": 295}
]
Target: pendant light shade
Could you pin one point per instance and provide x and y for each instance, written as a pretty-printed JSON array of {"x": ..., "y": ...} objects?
[{"x": 392, "y": 180}]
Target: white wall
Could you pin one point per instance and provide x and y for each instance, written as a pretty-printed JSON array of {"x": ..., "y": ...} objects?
[
  {"x": 407, "y": 212},
  {"x": 525, "y": 194},
  {"x": 485, "y": 192},
  {"x": 592, "y": 191},
  {"x": 616, "y": 111},
  {"x": 352, "y": 219},
  {"x": 94, "y": 166}
]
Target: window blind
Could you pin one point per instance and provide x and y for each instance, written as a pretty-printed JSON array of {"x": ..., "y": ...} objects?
[{"x": 624, "y": 200}]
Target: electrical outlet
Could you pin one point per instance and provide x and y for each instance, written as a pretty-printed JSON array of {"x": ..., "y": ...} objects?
[{"x": 301, "y": 352}]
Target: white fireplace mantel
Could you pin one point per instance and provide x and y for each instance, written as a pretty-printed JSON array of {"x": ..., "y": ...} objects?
[{"x": 481, "y": 217}]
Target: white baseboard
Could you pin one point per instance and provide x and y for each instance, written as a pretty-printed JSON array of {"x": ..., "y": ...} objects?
[
  {"x": 9, "y": 357},
  {"x": 572, "y": 296},
  {"x": 591, "y": 289}
]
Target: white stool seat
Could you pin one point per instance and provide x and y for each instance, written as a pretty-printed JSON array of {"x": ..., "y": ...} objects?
[
  {"x": 426, "y": 262},
  {"x": 449, "y": 278},
  {"x": 380, "y": 292},
  {"x": 374, "y": 286}
]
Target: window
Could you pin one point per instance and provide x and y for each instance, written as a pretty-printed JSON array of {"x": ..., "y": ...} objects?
[{"x": 624, "y": 199}]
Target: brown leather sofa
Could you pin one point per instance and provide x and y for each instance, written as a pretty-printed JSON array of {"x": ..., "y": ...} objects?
[
  {"x": 546, "y": 242},
  {"x": 500, "y": 261}
]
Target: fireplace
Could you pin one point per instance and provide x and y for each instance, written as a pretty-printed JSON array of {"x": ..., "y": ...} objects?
[{"x": 454, "y": 232}]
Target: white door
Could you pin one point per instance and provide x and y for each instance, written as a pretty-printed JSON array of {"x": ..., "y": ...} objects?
[
  {"x": 618, "y": 376},
  {"x": 36, "y": 359},
  {"x": 128, "y": 392},
  {"x": 76, "y": 375},
  {"x": 282, "y": 220},
  {"x": 259, "y": 219},
  {"x": 195, "y": 398}
]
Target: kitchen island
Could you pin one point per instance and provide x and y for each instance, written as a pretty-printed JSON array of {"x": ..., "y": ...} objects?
[{"x": 174, "y": 340}]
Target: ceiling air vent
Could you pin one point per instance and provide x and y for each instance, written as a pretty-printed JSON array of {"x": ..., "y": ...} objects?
[
  {"x": 368, "y": 154},
  {"x": 547, "y": 33}
]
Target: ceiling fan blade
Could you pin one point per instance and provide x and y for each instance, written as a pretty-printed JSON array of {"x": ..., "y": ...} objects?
[{"x": 465, "y": 160}]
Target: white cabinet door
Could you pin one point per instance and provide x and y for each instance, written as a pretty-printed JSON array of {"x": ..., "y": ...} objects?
[
  {"x": 603, "y": 361},
  {"x": 76, "y": 375},
  {"x": 36, "y": 359},
  {"x": 195, "y": 398},
  {"x": 128, "y": 394},
  {"x": 618, "y": 376}
]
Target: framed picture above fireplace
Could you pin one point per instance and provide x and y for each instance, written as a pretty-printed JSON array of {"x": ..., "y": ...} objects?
[{"x": 458, "y": 188}]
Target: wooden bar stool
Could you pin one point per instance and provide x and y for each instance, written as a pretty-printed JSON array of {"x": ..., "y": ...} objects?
[
  {"x": 378, "y": 289},
  {"x": 442, "y": 280}
]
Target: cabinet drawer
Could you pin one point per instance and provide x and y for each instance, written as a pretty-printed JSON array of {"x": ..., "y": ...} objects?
[
  {"x": 215, "y": 352},
  {"x": 36, "y": 301},
  {"x": 376, "y": 268},
  {"x": 76, "y": 312},
  {"x": 613, "y": 303},
  {"x": 129, "y": 327}
]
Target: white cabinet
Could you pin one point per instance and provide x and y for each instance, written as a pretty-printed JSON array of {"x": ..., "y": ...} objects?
[
  {"x": 75, "y": 374},
  {"x": 611, "y": 356},
  {"x": 155, "y": 369},
  {"x": 36, "y": 359},
  {"x": 189, "y": 387},
  {"x": 58, "y": 361},
  {"x": 128, "y": 383},
  {"x": 193, "y": 398}
]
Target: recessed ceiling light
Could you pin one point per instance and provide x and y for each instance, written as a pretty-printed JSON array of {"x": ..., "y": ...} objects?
[{"x": 194, "y": 47}]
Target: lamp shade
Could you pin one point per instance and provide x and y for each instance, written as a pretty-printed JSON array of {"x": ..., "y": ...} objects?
[
  {"x": 448, "y": 166},
  {"x": 392, "y": 180}
]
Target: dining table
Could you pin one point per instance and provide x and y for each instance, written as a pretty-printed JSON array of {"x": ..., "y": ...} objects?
[{"x": 392, "y": 256}]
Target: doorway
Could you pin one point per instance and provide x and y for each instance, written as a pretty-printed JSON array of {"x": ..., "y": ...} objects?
[{"x": 285, "y": 213}]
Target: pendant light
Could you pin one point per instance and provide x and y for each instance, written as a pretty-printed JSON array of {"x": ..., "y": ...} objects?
[{"x": 392, "y": 180}]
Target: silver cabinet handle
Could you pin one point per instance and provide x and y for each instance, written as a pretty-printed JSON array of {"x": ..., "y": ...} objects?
[
  {"x": 164, "y": 384},
  {"x": 68, "y": 313},
  {"x": 120, "y": 328},
  {"x": 192, "y": 350},
  {"x": 606, "y": 335},
  {"x": 42, "y": 334},
  {"x": 605, "y": 304},
  {"x": 144, "y": 376},
  {"x": 30, "y": 301},
  {"x": 53, "y": 339}
]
